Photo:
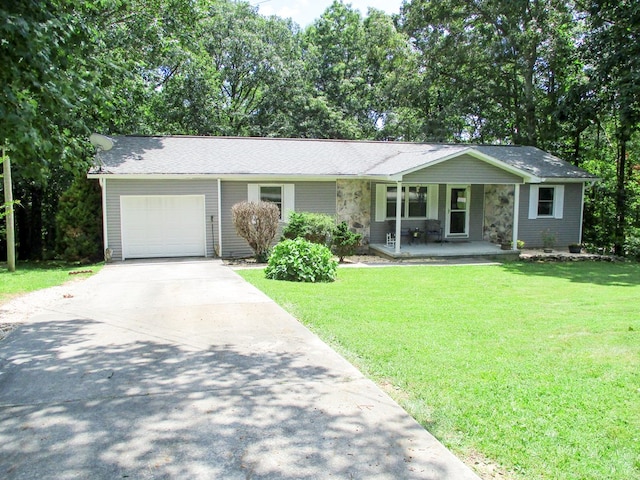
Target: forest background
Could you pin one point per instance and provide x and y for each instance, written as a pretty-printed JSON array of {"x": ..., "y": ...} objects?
[{"x": 560, "y": 75}]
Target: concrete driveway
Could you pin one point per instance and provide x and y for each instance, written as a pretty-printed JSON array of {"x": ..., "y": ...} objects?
[{"x": 180, "y": 369}]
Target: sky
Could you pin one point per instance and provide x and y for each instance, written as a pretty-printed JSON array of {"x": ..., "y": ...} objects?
[{"x": 304, "y": 12}]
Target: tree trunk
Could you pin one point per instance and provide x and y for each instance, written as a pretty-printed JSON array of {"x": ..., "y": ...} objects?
[
  {"x": 621, "y": 198},
  {"x": 576, "y": 149},
  {"x": 529, "y": 99},
  {"x": 9, "y": 215}
]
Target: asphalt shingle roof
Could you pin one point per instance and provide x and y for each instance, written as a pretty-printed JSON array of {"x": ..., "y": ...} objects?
[{"x": 178, "y": 155}]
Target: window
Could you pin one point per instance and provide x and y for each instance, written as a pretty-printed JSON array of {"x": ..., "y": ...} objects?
[
  {"x": 413, "y": 201},
  {"x": 283, "y": 195},
  {"x": 272, "y": 194},
  {"x": 416, "y": 201},
  {"x": 546, "y": 201},
  {"x": 392, "y": 198}
]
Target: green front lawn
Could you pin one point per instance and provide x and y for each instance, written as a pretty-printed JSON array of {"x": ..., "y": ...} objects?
[
  {"x": 534, "y": 367},
  {"x": 30, "y": 276}
]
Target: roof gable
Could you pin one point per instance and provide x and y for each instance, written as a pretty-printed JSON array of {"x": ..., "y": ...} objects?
[
  {"x": 435, "y": 156},
  {"x": 467, "y": 168}
]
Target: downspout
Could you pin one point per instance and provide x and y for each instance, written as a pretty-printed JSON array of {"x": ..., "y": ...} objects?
[
  {"x": 581, "y": 214},
  {"x": 516, "y": 216},
  {"x": 219, "y": 252},
  {"x": 107, "y": 251},
  {"x": 398, "y": 216}
]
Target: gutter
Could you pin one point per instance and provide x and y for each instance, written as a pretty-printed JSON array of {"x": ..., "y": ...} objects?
[{"x": 240, "y": 177}]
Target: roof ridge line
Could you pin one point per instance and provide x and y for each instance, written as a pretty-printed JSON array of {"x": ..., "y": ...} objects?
[{"x": 331, "y": 140}]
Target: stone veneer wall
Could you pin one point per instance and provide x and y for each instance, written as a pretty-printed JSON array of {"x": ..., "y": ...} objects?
[
  {"x": 353, "y": 205},
  {"x": 498, "y": 212}
]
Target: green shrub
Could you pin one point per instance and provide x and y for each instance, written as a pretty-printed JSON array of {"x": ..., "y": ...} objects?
[
  {"x": 79, "y": 221},
  {"x": 632, "y": 244},
  {"x": 344, "y": 242},
  {"x": 300, "y": 260},
  {"x": 315, "y": 227}
]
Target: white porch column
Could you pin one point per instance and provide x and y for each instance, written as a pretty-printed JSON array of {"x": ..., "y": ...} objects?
[
  {"x": 516, "y": 215},
  {"x": 398, "y": 216}
]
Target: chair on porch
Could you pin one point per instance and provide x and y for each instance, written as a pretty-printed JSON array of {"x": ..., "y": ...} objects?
[
  {"x": 391, "y": 233},
  {"x": 391, "y": 240},
  {"x": 433, "y": 228}
]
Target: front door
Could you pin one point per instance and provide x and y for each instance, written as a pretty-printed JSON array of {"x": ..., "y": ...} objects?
[{"x": 458, "y": 210}]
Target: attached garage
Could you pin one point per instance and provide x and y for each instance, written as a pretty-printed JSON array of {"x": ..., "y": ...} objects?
[{"x": 163, "y": 226}]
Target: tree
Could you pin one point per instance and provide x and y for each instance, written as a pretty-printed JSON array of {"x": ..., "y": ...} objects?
[
  {"x": 495, "y": 70},
  {"x": 43, "y": 90},
  {"x": 233, "y": 75},
  {"x": 335, "y": 46},
  {"x": 68, "y": 70},
  {"x": 79, "y": 221},
  {"x": 612, "y": 55}
]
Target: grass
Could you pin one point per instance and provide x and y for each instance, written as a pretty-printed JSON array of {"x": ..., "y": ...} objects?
[
  {"x": 31, "y": 276},
  {"x": 534, "y": 367}
]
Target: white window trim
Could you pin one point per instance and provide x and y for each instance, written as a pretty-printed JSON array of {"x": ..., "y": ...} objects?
[
  {"x": 558, "y": 201},
  {"x": 381, "y": 202},
  {"x": 288, "y": 196}
]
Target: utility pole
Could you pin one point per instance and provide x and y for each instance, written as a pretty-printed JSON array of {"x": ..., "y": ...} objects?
[{"x": 8, "y": 200}]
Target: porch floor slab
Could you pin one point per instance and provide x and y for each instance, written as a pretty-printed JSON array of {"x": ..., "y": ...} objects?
[{"x": 457, "y": 249}]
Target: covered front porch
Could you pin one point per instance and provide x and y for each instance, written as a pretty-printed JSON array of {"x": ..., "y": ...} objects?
[{"x": 454, "y": 249}]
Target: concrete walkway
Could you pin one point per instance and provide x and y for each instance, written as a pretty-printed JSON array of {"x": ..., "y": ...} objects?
[{"x": 182, "y": 370}]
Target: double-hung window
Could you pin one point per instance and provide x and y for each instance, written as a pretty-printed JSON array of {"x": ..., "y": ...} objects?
[
  {"x": 416, "y": 204},
  {"x": 273, "y": 194},
  {"x": 415, "y": 201},
  {"x": 283, "y": 195},
  {"x": 546, "y": 201}
]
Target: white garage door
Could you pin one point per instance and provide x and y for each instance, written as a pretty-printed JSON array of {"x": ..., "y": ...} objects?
[{"x": 163, "y": 226}]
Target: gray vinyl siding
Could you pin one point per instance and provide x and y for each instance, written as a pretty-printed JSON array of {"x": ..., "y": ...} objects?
[
  {"x": 115, "y": 188},
  {"x": 463, "y": 170},
  {"x": 568, "y": 229},
  {"x": 316, "y": 197},
  {"x": 233, "y": 246}
]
